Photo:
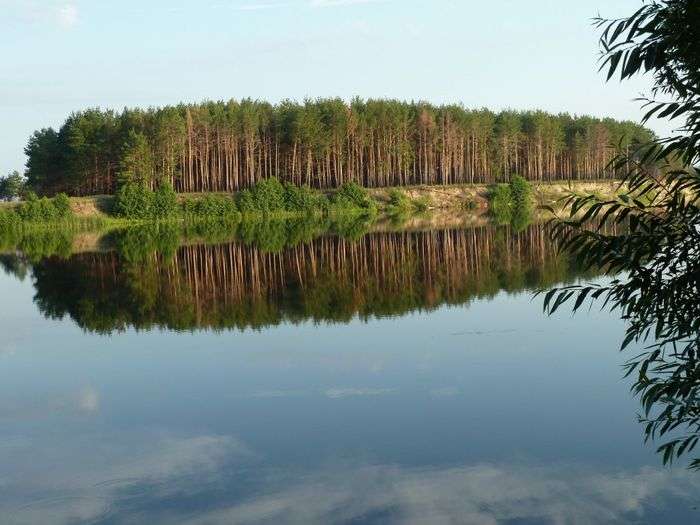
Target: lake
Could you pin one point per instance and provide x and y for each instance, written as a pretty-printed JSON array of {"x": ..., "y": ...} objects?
[{"x": 393, "y": 376}]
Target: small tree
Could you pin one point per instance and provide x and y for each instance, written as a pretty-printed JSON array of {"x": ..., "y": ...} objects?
[{"x": 11, "y": 186}]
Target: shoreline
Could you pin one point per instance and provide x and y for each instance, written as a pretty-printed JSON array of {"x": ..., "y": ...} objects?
[{"x": 441, "y": 197}]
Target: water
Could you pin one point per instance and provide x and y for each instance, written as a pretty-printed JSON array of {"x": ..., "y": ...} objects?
[{"x": 401, "y": 377}]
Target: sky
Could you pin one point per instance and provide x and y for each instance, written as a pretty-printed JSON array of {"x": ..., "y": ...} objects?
[{"x": 61, "y": 56}]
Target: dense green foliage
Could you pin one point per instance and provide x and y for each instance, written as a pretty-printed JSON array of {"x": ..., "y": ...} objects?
[
  {"x": 303, "y": 199},
  {"x": 270, "y": 196},
  {"x": 211, "y": 206},
  {"x": 138, "y": 201},
  {"x": 658, "y": 257},
  {"x": 35, "y": 210},
  {"x": 511, "y": 203},
  {"x": 400, "y": 204},
  {"x": 352, "y": 196},
  {"x": 11, "y": 186},
  {"x": 228, "y": 146}
]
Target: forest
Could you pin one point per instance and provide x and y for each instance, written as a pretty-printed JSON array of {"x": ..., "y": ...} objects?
[{"x": 323, "y": 143}]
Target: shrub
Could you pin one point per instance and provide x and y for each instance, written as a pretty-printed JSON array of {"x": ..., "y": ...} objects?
[
  {"x": 133, "y": 201},
  {"x": 36, "y": 209},
  {"x": 501, "y": 203},
  {"x": 302, "y": 199},
  {"x": 352, "y": 195},
  {"x": 512, "y": 203},
  {"x": 137, "y": 201},
  {"x": 9, "y": 219},
  {"x": 520, "y": 192},
  {"x": 398, "y": 200},
  {"x": 211, "y": 206},
  {"x": 269, "y": 195},
  {"x": 422, "y": 203},
  {"x": 61, "y": 203},
  {"x": 246, "y": 202},
  {"x": 521, "y": 218},
  {"x": 164, "y": 202}
]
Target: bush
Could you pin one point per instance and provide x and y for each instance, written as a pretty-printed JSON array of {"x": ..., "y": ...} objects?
[
  {"x": 136, "y": 201},
  {"x": 501, "y": 203},
  {"x": 36, "y": 209},
  {"x": 520, "y": 192},
  {"x": 398, "y": 200},
  {"x": 246, "y": 202},
  {"x": 352, "y": 195},
  {"x": 302, "y": 199},
  {"x": 269, "y": 195},
  {"x": 512, "y": 203},
  {"x": 400, "y": 203},
  {"x": 9, "y": 219},
  {"x": 211, "y": 206},
  {"x": 61, "y": 203},
  {"x": 164, "y": 202},
  {"x": 133, "y": 201},
  {"x": 422, "y": 203}
]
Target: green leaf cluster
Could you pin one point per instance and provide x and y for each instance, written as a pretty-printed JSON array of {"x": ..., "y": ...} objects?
[
  {"x": 211, "y": 206},
  {"x": 44, "y": 209},
  {"x": 137, "y": 201},
  {"x": 12, "y": 186},
  {"x": 511, "y": 203},
  {"x": 655, "y": 264}
]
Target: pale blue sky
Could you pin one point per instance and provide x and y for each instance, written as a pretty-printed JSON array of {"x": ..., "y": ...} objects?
[{"x": 64, "y": 55}]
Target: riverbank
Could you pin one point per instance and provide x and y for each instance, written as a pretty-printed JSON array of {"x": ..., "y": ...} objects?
[
  {"x": 459, "y": 197},
  {"x": 93, "y": 227}
]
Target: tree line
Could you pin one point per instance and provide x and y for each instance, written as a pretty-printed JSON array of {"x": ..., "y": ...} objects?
[{"x": 324, "y": 143}]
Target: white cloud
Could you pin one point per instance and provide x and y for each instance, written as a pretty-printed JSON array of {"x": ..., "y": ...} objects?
[
  {"x": 267, "y": 394},
  {"x": 54, "y": 12},
  {"x": 448, "y": 391},
  {"x": 339, "y": 393},
  {"x": 89, "y": 400},
  {"x": 67, "y": 15},
  {"x": 336, "y": 3},
  {"x": 79, "y": 480},
  {"x": 479, "y": 494},
  {"x": 84, "y": 401},
  {"x": 260, "y": 7}
]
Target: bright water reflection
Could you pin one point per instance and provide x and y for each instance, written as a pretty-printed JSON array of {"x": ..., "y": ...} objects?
[{"x": 386, "y": 380}]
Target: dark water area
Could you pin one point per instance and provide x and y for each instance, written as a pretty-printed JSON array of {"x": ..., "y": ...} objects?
[{"x": 385, "y": 377}]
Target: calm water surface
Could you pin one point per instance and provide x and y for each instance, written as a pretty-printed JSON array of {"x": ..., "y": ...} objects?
[{"x": 394, "y": 378}]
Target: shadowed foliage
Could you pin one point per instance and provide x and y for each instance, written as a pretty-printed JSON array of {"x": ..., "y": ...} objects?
[{"x": 657, "y": 260}]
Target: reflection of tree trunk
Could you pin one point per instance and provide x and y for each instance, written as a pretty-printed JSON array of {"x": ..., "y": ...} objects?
[{"x": 237, "y": 285}]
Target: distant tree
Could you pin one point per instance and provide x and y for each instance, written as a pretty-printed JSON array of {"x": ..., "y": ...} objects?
[
  {"x": 11, "y": 186},
  {"x": 322, "y": 143},
  {"x": 137, "y": 164},
  {"x": 45, "y": 162}
]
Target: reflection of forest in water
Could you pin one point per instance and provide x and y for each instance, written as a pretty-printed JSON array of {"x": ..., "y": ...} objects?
[{"x": 330, "y": 278}]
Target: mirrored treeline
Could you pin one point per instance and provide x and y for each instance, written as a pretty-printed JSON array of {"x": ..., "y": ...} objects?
[{"x": 235, "y": 285}]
